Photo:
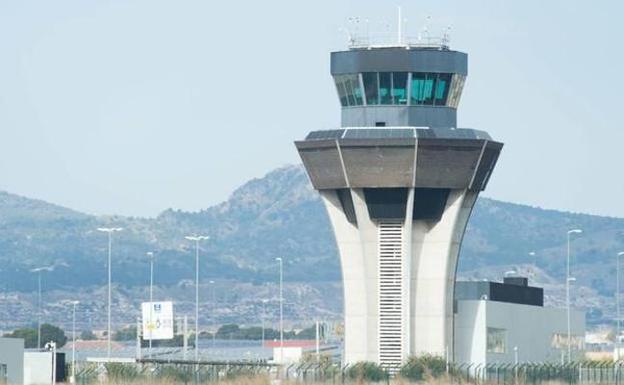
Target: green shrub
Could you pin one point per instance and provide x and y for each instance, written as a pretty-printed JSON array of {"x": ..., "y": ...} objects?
[
  {"x": 367, "y": 371},
  {"x": 417, "y": 368}
]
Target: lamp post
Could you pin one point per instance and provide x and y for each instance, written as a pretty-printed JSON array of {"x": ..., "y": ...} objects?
[
  {"x": 109, "y": 231},
  {"x": 38, "y": 270},
  {"x": 568, "y": 279},
  {"x": 214, "y": 312},
  {"x": 617, "y": 305},
  {"x": 73, "y": 365},
  {"x": 264, "y": 301},
  {"x": 196, "y": 239},
  {"x": 281, "y": 302},
  {"x": 150, "y": 325}
]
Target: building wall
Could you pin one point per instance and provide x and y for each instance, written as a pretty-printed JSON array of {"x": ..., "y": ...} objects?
[
  {"x": 12, "y": 355},
  {"x": 530, "y": 328},
  {"x": 37, "y": 368}
]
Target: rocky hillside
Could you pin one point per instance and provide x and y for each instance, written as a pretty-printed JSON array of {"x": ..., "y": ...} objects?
[{"x": 279, "y": 215}]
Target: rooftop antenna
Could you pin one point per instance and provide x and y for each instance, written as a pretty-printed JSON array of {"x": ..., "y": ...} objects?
[
  {"x": 425, "y": 30},
  {"x": 400, "y": 27},
  {"x": 446, "y": 38}
]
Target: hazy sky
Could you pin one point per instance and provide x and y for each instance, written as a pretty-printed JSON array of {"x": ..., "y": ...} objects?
[{"x": 131, "y": 107}]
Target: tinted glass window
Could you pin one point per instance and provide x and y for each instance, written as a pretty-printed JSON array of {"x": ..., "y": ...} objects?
[
  {"x": 399, "y": 87},
  {"x": 371, "y": 86},
  {"x": 342, "y": 92},
  {"x": 349, "y": 90},
  {"x": 422, "y": 88},
  {"x": 385, "y": 85},
  {"x": 358, "y": 95},
  {"x": 442, "y": 89}
]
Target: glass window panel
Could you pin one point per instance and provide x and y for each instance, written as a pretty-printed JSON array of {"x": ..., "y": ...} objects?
[
  {"x": 358, "y": 95},
  {"x": 418, "y": 88},
  {"x": 442, "y": 89},
  {"x": 496, "y": 340},
  {"x": 457, "y": 84},
  {"x": 342, "y": 92},
  {"x": 399, "y": 87},
  {"x": 428, "y": 89},
  {"x": 371, "y": 87},
  {"x": 349, "y": 90},
  {"x": 385, "y": 85}
]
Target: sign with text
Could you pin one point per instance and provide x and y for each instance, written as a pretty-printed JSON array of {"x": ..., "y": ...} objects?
[{"x": 157, "y": 320}]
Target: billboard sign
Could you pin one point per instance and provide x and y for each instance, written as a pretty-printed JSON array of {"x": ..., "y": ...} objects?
[{"x": 157, "y": 320}]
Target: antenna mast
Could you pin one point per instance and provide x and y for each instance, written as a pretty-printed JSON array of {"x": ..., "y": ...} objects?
[{"x": 400, "y": 27}]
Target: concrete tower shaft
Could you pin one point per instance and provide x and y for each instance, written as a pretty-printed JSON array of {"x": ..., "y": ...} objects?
[{"x": 399, "y": 182}]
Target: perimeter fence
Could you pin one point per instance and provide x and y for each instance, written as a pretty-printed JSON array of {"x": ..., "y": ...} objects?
[{"x": 183, "y": 372}]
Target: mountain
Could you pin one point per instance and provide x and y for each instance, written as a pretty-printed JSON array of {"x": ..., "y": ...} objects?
[{"x": 281, "y": 215}]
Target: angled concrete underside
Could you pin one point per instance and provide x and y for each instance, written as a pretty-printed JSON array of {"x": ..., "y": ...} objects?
[{"x": 398, "y": 271}]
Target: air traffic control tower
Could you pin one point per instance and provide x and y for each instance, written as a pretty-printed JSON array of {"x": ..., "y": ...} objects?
[{"x": 399, "y": 181}]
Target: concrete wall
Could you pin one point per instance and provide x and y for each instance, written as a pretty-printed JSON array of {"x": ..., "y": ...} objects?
[
  {"x": 37, "y": 368},
  {"x": 530, "y": 328},
  {"x": 12, "y": 355}
]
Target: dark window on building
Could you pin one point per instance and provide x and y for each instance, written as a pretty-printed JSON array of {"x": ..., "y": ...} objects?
[
  {"x": 371, "y": 87},
  {"x": 442, "y": 89},
  {"x": 380, "y": 124},
  {"x": 386, "y": 203},
  {"x": 399, "y": 87},
  {"x": 385, "y": 87}
]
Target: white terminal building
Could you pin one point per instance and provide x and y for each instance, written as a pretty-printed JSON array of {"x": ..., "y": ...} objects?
[{"x": 399, "y": 180}]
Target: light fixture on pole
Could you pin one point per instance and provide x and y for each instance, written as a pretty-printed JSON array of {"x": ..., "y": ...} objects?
[
  {"x": 281, "y": 303},
  {"x": 73, "y": 365},
  {"x": 574, "y": 231},
  {"x": 150, "y": 325},
  {"x": 197, "y": 239},
  {"x": 617, "y": 306},
  {"x": 38, "y": 270},
  {"x": 109, "y": 231},
  {"x": 532, "y": 254}
]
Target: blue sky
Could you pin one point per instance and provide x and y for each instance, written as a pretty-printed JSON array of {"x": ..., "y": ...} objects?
[{"x": 133, "y": 106}]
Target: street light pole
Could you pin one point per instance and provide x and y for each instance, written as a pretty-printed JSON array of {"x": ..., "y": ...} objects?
[
  {"x": 151, "y": 300},
  {"x": 39, "y": 270},
  {"x": 568, "y": 278},
  {"x": 281, "y": 302},
  {"x": 196, "y": 239},
  {"x": 617, "y": 305},
  {"x": 73, "y": 366},
  {"x": 214, "y": 312},
  {"x": 264, "y": 301},
  {"x": 109, "y": 231},
  {"x": 39, "y": 309}
]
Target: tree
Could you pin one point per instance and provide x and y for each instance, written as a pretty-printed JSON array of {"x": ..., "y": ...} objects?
[
  {"x": 87, "y": 335},
  {"x": 48, "y": 333},
  {"x": 126, "y": 334}
]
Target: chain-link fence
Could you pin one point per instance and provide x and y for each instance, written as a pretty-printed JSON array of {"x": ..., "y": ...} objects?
[{"x": 183, "y": 372}]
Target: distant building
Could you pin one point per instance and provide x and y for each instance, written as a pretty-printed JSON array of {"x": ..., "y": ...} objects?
[
  {"x": 12, "y": 360},
  {"x": 504, "y": 322}
]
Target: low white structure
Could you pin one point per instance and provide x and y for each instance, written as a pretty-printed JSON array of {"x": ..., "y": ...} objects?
[
  {"x": 38, "y": 368},
  {"x": 12, "y": 356},
  {"x": 514, "y": 326}
]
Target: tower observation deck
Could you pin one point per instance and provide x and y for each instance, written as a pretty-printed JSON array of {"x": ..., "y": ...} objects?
[{"x": 399, "y": 181}]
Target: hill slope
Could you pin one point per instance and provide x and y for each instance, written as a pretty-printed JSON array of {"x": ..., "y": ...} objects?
[{"x": 278, "y": 215}]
